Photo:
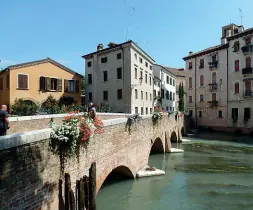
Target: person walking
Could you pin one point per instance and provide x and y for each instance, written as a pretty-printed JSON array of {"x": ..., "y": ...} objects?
[
  {"x": 4, "y": 122},
  {"x": 92, "y": 111}
]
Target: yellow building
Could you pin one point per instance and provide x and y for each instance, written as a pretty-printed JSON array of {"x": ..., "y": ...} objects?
[{"x": 36, "y": 80}]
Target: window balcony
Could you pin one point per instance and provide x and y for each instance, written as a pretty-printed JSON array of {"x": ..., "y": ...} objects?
[
  {"x": 247, "y": 49},
  {"x": 247, "y": 70},
  {"x": 213, "y": 87},
  {"x": 213, "y": 103},
  {"x": 213, "y": 65}
]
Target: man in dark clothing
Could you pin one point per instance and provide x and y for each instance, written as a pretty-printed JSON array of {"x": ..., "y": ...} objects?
[{"x": 4, "y": 122}]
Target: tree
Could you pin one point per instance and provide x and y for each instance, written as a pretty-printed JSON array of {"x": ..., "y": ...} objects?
[
  {"x": 181, "y": 97},
  {"x": 83, "y": 85}
]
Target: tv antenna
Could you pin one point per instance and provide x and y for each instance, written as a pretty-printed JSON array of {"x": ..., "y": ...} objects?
[
  {"x": 131, "y": 8},
  {"x": 241, "y": 15}
]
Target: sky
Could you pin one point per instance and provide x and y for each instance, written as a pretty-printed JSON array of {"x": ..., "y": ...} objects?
[{"x": 64, "y": 30}]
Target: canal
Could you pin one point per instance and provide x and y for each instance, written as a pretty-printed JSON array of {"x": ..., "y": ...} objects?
[{"x": 208, "y": 175}]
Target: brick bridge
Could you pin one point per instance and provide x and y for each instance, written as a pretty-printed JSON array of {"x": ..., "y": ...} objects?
[{"x": 29, "y": 172}]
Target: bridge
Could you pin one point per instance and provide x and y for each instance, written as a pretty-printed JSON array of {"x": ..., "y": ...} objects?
[{"x": 29, "y": 172}]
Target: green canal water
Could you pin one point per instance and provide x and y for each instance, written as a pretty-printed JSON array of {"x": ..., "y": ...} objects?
[{"x": 208, "y": 175}]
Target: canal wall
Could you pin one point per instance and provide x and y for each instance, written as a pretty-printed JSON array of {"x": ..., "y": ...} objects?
[{"x": 29, "y": 172}]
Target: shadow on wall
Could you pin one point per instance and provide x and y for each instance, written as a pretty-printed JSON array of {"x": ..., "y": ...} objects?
[{"x": 21, "y": 186}]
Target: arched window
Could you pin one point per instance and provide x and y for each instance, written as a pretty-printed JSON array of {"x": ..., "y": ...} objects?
[
  {"x": 214, "y": 77},
  {"x": 247, "y": 88},
  {"x": 236, "y": 87},
  {"x": 201, "y": 80},
  {"x": 190, "y": 82},
  {"x": 248, "y": 62}
]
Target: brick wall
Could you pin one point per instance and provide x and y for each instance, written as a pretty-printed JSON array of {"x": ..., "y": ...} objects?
[{"x": 29, "y": 173}]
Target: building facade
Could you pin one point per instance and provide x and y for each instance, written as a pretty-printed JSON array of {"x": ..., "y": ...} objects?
[
  {"x": 35, "y": 81},
  {"x": 167, "y": 88},
  {"x": 120, "y": 76},
  {"x": 218, "y": 83}
]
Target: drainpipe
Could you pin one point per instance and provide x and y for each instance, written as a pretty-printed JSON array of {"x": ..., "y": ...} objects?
[
  {"x": 227, "y": 86},
  {"x": 123, "y": 69},
  {"x": 196, "y": 94}
]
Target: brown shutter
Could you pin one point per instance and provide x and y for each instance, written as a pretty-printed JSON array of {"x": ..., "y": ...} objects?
[
  {"x": 42, "y": 83},
  {"x": 48, "y": 83},
  {"x": 77, "y": 83},
  {"x": 25, "y": 79},
  {"x": 19, "y": 81},
  {"x": 59, "y": 82},
  {"x": 65, "y": 85}
]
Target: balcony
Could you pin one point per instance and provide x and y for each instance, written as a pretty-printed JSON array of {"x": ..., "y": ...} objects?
[
  {"x": 247, "y": 49},
  {"x": 247, "y": 70},
  {"x": 213, "y": 65},
  {"x": 213, "y": 87},
  {"x": 248, "y": 93},
  {"x": 213, "y": 103}
]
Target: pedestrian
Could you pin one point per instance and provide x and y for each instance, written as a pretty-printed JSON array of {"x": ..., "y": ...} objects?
[
  {"x": 4, "y": 122},
  {"x": 51, "y": 123},
  {"x": 92, "y": 111}
]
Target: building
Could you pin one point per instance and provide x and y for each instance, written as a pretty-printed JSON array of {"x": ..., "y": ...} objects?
[
  {"x": 219, "y": 83},
  {"x": 121, "y": 76},
  {"x": 240, "y": 80},
  {"x": 167, "y": 88},
  {"x": 35, "y": 81},
  {"x": 157, "y": 92}
]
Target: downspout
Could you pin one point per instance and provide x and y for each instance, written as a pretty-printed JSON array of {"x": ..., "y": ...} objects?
[
  {"x": 227, "y": 85},
  {"x": 196, "y": 94},
  {"x": 123, "y": 69}
]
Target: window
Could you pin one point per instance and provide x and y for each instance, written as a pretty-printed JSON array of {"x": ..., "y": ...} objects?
[
  {"x": 190, "y": 99},
  {"x": 146, "y": 64},
  {"x": 142, "y": 111},
  {"x": 201, "y": 80},
  {"x": 136, "y": 110},
  {"x": 140, "y": 59},
  {"x": 248, "y": 40},
  {"x": 150, "y": 111},
  {"x": 8, "y": 81},
  {"x": 22, "y": 81},
  {"x": 154, "y": 93},
  {"x": 105, "y": 76},
  {"x": 150, "y": 80},
  {"x": 167, "y": 95},
  {"x": 1, "y": 83},
  {"x": 214, "y": 77},
  {"x": 90, "y": 96},
  {"x": 247, "y": 88},
  {"x": 141, "y": 95},
  {"x": 119, "y": 94},
  {"x": 170, "y": 81},
  {"x": 135, "y": 55},
  {"x": 89, "y": 79},
  {"x": 190, "y": 65},
  {"x": 235, "y": 113},
  {"x": 104, "y": 60},
  {"x": 119, "y": 73},
  {"x": 89, "y": 64},
  {"x": 200, "y": 113},
  {"x": 150, "y": 96},
  {"x": 150, "y": 67},
  {"x": 173, "y": 82},
  {"x": 201, "y": 97},
  {"x": 105, "y": 95},
  {"x": 53, "y": 85},
  {"x": 167, "y": 108},
  {"x": 167, "y": 79},
  {"x": 237, "y": 65},
  {"x": 190, "y": 113},
  {"x": 118, "y": 56},
  {"x": 135, "y": 73},
  {"x": 136, "y": 94},
  {"x": 213, "y": 96},
  {"x": 71, "y": 85},
  {"x": 236, "y": 88},
  {"x": 47, "y": 84},
  {"x": 247, "y": 113},
  {"x": 146, "y": 95},
  {"x": 162, "y": 93},
  {"x": 141, "y": 74},
  {"x": 173, "y": 109},
  {"x": 220, "y": 114},
  {"x": 173, "y": 97},
  {"x": 162, "y": 76},
  {"x": 248, "y": 62},
  {"x": 190, "y": 82},
  {"x": 146, "y": 78},
  {"x": 236, "y": 46},
  {"x": 146, "y": 110},
  {"x": 201, "y": 63}
]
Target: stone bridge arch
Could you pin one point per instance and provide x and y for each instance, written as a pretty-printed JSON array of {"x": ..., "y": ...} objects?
[{"x": 157, "y": 146}]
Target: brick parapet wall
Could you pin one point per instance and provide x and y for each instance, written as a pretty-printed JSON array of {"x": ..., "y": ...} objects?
[{"x": 30, "y": 172}]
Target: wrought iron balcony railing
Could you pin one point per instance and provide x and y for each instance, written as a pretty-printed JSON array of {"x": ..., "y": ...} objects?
[
  {"x": 247, "y": 93},
  {"x": 213, "y": 103},
  {"x": 247, "y": 48},
  {"x": 213, "y": 65},
  {"x": 213, "y": 86},
  {"x": 247, "y": 70}
]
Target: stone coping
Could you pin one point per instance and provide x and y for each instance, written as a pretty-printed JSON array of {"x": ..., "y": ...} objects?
[
  {"x": 38, "y": 117},
  {"x": 19, "y": 139}
]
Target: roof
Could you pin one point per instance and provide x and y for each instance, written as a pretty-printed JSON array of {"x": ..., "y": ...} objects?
[
  {"x": 206, "y": 51},
  {"x": 37, "y": 62},
  {"x": 243, "y": 33},
  {"x": 113, "y": 47},
  {"x": 175, "y": 71}
]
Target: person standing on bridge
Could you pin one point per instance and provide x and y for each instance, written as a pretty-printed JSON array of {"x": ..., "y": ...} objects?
[
  {"x": 4, "y": 122},
  {"x": 92, "y": 111}
]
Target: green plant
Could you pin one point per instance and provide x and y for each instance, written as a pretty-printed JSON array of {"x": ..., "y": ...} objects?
[
  {"x": 181, "y": 97},
  {"x": 22, "y": 107},
  {"x": 76, "y": 107},
  {"x": 103, "y": 108},
  {"x": 52, "y": 106}
]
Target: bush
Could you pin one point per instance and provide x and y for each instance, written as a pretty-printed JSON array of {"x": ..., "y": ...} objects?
[
  {"x": 76, "y": 107},
  {"x": 21, "y": 107},
  {"x": 103, "y": 108},
  {"x": 51, "y": 106}
]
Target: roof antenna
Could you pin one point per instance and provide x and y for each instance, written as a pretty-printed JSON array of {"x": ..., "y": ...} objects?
[
  {"x": 241, "y": 15},
  {"x": 130, "y": 9}
]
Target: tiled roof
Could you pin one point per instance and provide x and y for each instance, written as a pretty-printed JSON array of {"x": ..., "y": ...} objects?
[
  {"x": 175, "y": 71},
  {"x": 37, "y": 62}
]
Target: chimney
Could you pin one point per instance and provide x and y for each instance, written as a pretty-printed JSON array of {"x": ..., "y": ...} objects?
[
  {"x": 240, "y": 29},
  {"x": 190, "y": 52},
  {"x": 112, "y": 44},
  {"x": 100, "y": 47}
]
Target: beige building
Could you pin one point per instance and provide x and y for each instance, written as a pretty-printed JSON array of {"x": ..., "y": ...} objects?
[{"x": 121, "y": 76}]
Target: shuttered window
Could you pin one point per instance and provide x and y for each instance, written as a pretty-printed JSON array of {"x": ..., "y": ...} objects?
[
  {"x": 213, "y": 96},
  {"x": 201, "y": 80},
  {"x": 50, "y": 84},
  {"x": 237, "y": 65},
  {"x": 190, "y": 82},
  {"x": 248, "y": 62},
  {"x": 236, "y": 87},
  {"x": 22, "y": 81}
]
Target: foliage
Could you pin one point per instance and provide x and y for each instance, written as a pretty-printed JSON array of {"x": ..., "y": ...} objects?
[
  {"x": 103, "y": 108},
  {"x": 51, "y": 106},
  {"x": 157, "y": 115},
  {"x": 76, "y": 107},
  {"x": 181, "y": 97},
  {"x": 83, "y": 84},
  {"x": 21, "y": 107}
]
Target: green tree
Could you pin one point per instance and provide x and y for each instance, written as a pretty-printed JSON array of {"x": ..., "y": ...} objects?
[
  {"x": 83, "y": 84},
  {"x": 181, "y": 97}
]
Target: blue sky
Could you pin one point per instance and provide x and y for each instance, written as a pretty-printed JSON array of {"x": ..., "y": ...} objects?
[{"x": 65, "y": 30}]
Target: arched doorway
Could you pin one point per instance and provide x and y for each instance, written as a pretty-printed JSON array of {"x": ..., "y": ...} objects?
[
  {"x": 157, "y": 147},
  {"x": 173, "y": 137}
]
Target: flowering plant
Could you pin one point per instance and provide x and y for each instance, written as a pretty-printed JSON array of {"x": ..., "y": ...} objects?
[{"x": 157, "y": 114}]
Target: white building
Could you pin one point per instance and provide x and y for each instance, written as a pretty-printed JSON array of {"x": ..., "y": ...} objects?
[
  {"x": 168, "y": 88},
  {"x": 120, "y": 76}
]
